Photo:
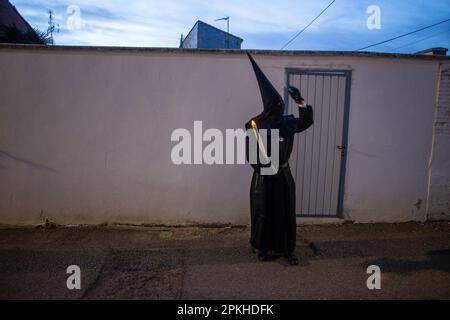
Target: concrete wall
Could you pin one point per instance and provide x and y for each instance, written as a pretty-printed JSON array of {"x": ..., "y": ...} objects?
[
  {"x": 391, "y": 117},
  {"x": 85, "y": 134}
]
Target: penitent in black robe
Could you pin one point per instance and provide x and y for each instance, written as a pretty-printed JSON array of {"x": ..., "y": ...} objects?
[{"x": 272, "y": 197}]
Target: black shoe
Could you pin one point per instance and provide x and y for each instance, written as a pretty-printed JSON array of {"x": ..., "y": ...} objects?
[
  {"x": 262, "y": 256},
  {"x": 292, "y": 259}
]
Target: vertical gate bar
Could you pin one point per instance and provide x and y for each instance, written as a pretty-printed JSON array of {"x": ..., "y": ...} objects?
[
  {"x": 334, "y": 142},
  {"x": 298, "y": 138},
  {"x": 308, "y": 148},
  {"x": 298, "y": 152},
  {"x": 304, "y": 152},
  {"x": 312, "y": 151},
  {"x": 320, "y": 143},
  {"x": 287, "y": 107},
  {"x": 323, "y": 116},
  {"x": 325, "y": 189}
]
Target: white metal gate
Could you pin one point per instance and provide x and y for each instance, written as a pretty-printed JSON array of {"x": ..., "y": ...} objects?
[{"x": 318, "y": 157}]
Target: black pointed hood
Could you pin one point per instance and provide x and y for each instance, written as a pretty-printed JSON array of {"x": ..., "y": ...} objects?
[{"x": 272, "y": 101}]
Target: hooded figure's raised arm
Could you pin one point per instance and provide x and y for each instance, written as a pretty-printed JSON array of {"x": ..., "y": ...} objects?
[{"x": 305, "y": 118}]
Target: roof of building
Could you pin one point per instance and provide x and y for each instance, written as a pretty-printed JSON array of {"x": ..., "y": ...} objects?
[
  {"x": 199, "y": 23},
  {"x": 299, "y": 53},
  {"x": 434, "y": 51},
  {"x": 9, "y": 16}
]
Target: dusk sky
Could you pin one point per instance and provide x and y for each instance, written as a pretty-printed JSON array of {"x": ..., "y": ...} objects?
[{"x": 262, "y": 24}]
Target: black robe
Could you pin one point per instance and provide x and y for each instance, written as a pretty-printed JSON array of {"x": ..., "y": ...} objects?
[{"x": 272, "y": 197}]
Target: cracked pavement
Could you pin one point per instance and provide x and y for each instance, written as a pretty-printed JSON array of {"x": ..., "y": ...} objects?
[{"x": 125, "y": 262}]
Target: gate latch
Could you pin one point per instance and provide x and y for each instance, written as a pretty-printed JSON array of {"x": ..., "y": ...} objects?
[{"x": 342, "y": 148}]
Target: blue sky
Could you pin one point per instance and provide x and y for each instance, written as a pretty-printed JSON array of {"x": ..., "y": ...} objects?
[{"x": 262, "y": 24}]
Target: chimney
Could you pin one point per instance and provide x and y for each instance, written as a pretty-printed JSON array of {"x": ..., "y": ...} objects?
[{"x": 181, "y": 41}]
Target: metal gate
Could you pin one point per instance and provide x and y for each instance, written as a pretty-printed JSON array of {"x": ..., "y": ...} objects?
[{"x": 319, "y": 153}]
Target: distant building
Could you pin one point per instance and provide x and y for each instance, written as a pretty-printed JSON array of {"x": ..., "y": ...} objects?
[
  {"x": 205, "y": 36},
  {"x": 434, "y": 52}
]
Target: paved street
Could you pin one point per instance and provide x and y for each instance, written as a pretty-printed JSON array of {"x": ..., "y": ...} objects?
[{"x": 217, "y": 263}]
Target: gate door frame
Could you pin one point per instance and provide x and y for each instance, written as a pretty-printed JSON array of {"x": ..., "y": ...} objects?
[{"x": 347, "y": 73}]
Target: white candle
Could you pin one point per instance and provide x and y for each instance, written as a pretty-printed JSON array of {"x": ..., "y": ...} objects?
[{"x": 260, "y": 143}]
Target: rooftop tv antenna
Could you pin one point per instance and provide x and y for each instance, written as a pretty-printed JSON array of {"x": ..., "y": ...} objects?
[
  {"x": 228, "y": 29},
  {"x": 51, "y": 26}
]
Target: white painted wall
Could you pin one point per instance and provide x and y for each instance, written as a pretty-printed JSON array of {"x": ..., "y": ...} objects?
[
  {"x": 391, "y": 118},
  {"x": 85, "y": 134}
]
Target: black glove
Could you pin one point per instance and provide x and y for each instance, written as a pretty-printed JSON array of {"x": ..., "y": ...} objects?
[{"x": 296, "y": 95}]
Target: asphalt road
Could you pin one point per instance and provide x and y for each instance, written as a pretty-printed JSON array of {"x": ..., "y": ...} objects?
[{"x": 217, "y": 263}]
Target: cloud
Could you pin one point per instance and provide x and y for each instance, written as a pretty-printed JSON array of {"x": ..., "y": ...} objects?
[{"x": 262, "y": 24}]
